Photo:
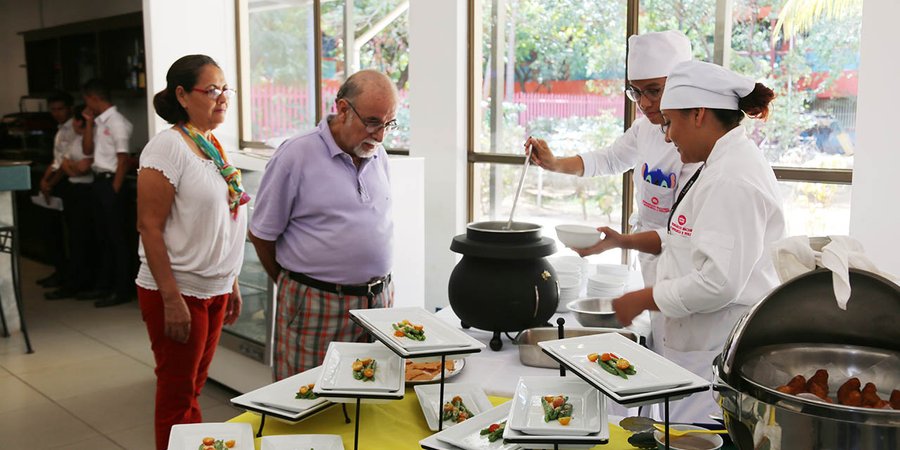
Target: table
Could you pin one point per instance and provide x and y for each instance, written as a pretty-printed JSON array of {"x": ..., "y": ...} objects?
[{"x": 396, "y": 425}]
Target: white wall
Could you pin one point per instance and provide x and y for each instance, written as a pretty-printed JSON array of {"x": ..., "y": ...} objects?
[
  {"x": 172, "y": 30},
  {"x": 874, "y": 215},
  {"x": 437, "y": 104}
]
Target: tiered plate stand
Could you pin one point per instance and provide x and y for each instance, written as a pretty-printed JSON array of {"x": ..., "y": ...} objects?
[
  {"x": 635, "y": 400},
  {"x": 292, "y": 419}
]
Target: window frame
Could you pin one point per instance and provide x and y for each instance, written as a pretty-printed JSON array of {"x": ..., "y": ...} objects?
[{"x": 722, "y": 43}]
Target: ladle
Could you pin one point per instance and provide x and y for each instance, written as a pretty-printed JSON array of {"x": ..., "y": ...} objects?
[{"x": 512, "y": 212}]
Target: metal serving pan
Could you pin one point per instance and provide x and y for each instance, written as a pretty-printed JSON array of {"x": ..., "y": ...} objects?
[{"x": 532, "y": 355}]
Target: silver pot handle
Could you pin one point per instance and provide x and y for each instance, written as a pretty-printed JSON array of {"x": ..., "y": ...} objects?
[{"x": 537, "y": 301}]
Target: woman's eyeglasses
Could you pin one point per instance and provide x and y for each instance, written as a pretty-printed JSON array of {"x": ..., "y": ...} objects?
[
  {"x": 664, "y": 127},
  {"x": 214, "y": 92},
  {"x": 634, "y": 94}
]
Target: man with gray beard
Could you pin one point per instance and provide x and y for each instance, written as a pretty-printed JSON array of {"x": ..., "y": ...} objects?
[{"x": 322, "y": 224}]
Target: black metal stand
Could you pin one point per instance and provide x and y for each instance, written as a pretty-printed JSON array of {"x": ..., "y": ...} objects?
[
  {"x": 262, "y": 423},
  {"x": 346, "y": 416},
  {"x": 356, "y": 425}
]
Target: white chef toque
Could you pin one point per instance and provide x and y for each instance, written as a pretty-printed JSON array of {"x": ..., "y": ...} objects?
[
  {"x": 653, "y": 55},
  {"x": 697, "y": 84}
]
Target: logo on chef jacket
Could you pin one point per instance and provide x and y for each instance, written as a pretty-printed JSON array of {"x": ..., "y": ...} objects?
[
  {"x": 679, "y": 228},
  {"x": 107, "y": 132},
  {"x": 653, "y": 205}
]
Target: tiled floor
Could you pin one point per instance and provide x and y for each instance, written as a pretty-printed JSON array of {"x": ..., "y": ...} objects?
[{"x": 89, "y": 384}]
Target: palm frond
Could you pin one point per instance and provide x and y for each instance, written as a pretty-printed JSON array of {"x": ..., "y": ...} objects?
[{"x": 798, "y": 16}]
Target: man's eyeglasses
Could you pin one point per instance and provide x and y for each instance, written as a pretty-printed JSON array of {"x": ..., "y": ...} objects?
[
  {"x": 372, "y": 125},
  {"x": 635, "y": 94},
  {"x": 214, "y": 92}
]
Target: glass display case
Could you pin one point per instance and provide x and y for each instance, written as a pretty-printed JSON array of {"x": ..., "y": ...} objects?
[{"x": 251, "y": 334}]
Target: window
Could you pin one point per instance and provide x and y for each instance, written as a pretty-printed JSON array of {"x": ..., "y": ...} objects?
[
  {"x": 295, "y": 54},
  {"x": 557, "y": 72}
]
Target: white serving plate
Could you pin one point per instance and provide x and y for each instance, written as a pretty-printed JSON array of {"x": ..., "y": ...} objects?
[
  {"x": 429, "y": 399},
  {"x": 190, "y": 436},
  {"x": 527, "y": 414},
  {"x": 280, "y": 395},
  {"x": 437, "y": 334},
  {"x": 563, "y": 442},
  {"x": 302, "y": 441},
  {"x": 467, "y": 435},
  {"x": 458, "y": 365},
  {"x": 337, "y": 372},
  {"x": 654, "y": 372}
]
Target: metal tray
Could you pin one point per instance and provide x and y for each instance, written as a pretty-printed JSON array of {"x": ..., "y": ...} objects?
[{"x": 532, "y": 355}]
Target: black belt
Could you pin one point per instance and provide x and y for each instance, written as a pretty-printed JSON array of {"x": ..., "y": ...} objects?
[
  {"x": 372, "y": 288},
  {"x": 104, "y": 175}
]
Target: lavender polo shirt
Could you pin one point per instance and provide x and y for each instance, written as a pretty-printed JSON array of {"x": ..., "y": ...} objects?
[{"x": 328, "y": 220}]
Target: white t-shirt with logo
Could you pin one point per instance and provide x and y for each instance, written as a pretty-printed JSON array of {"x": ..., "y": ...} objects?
[{"x": 112, "y": 132}]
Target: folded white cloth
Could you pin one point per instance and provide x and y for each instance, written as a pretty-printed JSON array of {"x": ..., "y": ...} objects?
[{"x": 793, "y": 256}]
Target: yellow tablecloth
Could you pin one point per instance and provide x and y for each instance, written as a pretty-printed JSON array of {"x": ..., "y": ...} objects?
[{"x": 397, "y": 425}]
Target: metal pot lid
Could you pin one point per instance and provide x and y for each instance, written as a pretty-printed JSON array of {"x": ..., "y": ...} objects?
[
  {"x": 803, "y": 312},
  {"x": 500, "y": 227}
]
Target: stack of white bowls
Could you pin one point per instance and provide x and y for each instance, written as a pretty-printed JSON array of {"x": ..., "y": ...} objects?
[
  {"x": 570, "y": 272},
  {"x": 608, "y": 281}
]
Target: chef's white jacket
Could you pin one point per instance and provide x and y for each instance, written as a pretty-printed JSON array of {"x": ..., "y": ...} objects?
[
  {"x": 716, "y": 258},
  {"x": 642, "y": 143}
]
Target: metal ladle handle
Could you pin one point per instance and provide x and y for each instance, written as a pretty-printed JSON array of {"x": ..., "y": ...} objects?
[{"x": 512, "y": 212}]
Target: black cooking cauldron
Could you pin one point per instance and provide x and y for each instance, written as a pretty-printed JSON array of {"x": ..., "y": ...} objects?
[{"x": 503, "y": 282}]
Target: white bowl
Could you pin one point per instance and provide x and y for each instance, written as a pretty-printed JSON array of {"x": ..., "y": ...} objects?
[
  {"x": 616, "y": 270},
  {"x": 578, "y": 236},
  {"x": 707, "y": 441}
]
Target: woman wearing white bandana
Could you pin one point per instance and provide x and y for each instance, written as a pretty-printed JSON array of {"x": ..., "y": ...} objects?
[{"x": 714, "y": 257}]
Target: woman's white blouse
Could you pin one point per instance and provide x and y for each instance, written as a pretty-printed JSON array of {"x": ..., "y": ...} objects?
[{"x": 204, "y": 242}]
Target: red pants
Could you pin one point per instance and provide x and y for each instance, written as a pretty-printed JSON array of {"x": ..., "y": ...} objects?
[{"x": 181, "y": 369}]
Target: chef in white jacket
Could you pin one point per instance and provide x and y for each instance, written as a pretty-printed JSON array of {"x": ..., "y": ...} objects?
[
  {"x": 651, "y": 57},
  {"x": 715, "y": 253}
]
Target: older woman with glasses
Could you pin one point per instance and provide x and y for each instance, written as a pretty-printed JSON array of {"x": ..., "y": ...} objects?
[
  {"x": 657, "y": 169},
  {"x": 192, "y": 231}
]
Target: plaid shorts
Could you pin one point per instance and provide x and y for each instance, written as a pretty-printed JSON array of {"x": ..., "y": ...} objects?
[{"x": 308, "y": 319}]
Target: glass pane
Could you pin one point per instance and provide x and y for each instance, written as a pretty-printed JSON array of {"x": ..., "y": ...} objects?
[
  {"x": 561, "y": 77},
  {"x": 815, "y": 76},
  {"x": 816, "y": 209},
  {"x": 549, "y": 199},
  {"x": 693, "y": 18},
  {"x": 382, "y": 43},
  {"x": 254, "y": 282},
  {"x": 281, "y": 70}
]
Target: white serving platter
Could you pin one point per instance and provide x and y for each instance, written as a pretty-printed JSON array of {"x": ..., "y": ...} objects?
[
  {"x": 654, "y": 372},
  {"x": 564, "y": 442},
  {"x": 302, "y": 442},
  {"x": 467, "y": 435},
  {"x": 190, "y": 436},
  {"x": 429, "y": 399},
  {"x": 337, "y": 372},
  {"x": 439, "y": 337},
  {"x": 281, "y": 395},
  {"x": 527, "y": 413}
]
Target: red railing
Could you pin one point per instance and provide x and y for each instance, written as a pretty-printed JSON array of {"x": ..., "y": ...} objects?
[{"x": 284, "y": 110}]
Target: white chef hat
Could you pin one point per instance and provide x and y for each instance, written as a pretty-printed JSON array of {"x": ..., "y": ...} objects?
[
  {"x": 653, "y": 55},
  {"x": 697, "y": 84}
]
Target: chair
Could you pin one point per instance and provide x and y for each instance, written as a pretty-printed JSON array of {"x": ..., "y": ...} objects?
[{"x": 14, "y": 177}]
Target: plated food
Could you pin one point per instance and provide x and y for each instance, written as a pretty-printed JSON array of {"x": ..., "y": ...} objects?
[
  {"x": 613, "y": 364},
  {"x": 364, "y": 369},
  {"x": 406, "y": 329},
  {"x": 848, "y": 394},
  {"x": 455, "y": 410},
  {"x": 306, "y": 392},
  {"x": 494, "y": 431},
  {"x": 210, "y": 443},
  {"x": 427, "y": 371},
  {"x": 557, "y": 407}
]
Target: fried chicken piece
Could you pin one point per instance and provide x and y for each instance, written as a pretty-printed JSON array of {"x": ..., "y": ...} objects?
[
  {"x": 819, "y": 391},
  {"x": 895, "y": 399},
  {"x": 853, "y": 398},
  {"x": 796, "y": 386},
  {"x": 821, "y": 379},
  {"x": 870, "y": 398},
  {"x": 845, "y": 389}
]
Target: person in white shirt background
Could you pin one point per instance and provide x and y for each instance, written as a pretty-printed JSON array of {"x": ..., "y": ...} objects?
[
  {"x": 651, "y": 57},
  {"x": 111, "y": 133},
  {"x": 715, "y": 258},
  {"x": 78, "y": 211}
]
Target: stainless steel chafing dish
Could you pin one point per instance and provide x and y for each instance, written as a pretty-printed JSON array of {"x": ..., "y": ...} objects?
[{"x": 799, "y": 329}]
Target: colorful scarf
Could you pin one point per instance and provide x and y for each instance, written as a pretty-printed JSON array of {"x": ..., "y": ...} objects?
[{"x": 232, "y": 176}]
